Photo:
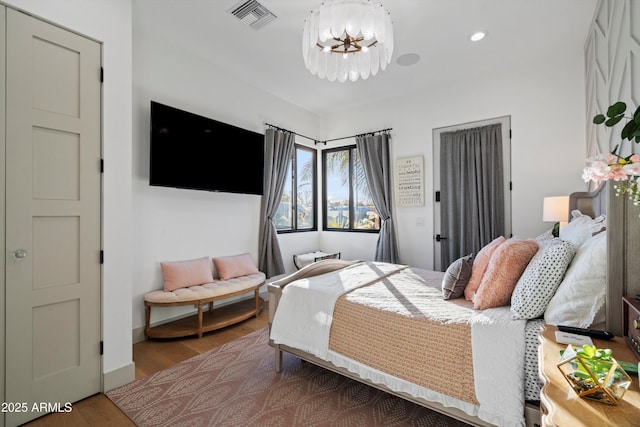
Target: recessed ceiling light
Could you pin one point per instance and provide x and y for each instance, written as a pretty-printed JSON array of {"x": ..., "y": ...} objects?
[
  {"x": 477, "y": 36},
  {"x": 408, "y": 59}
]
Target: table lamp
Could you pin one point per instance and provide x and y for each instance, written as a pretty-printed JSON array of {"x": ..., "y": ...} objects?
[{"x": 556, "y": 209}]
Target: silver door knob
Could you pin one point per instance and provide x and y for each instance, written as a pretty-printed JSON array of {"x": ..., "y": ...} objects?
[{"x": 20, "y": 254}]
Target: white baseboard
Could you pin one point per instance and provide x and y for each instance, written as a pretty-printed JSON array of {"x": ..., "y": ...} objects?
[
  {"x": 138, "y": 335},
  {"x": 118, "y": 377}
]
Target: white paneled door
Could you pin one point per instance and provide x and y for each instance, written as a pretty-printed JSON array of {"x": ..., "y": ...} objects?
[{"x": 53, "y": 209}]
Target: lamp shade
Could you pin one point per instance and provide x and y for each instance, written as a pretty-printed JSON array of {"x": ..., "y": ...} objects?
[{"x": 555, "y": 209}]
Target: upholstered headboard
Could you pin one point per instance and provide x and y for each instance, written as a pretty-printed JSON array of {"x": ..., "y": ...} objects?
[
  {"x": 623, "y": 246},
  {"x": 592, "y": 203}
]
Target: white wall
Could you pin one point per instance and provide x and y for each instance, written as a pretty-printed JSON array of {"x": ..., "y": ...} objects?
[
  {"x": 545, "y": 100},
  {"x": 177, "y": 224},
  {"x": 108, "y": 21}
]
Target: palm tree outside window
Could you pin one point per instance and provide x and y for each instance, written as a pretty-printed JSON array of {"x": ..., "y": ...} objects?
[
  {"x": 297, "y": 208},
  {"x": 347, "y": 201}
]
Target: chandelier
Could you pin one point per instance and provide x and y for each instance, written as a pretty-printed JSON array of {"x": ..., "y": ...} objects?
[{"x": 347, "y": 39}]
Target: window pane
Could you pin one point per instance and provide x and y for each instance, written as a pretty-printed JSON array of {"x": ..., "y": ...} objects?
[
  {"x": 305, "y": 181},
  {"x": 337, "y": 189},
  {"x": 365, "y": 213},
  {"x": 283, "y": 215}
]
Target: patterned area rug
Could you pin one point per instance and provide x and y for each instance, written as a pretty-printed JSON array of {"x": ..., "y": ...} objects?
[{"x": 236, "y": 385}]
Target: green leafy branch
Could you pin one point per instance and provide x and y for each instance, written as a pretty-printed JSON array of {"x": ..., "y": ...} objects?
[{"x": 614, "y": 114}]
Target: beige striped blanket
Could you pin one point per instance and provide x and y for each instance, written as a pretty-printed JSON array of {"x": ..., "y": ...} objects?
[{"x": 401, "y": 325}]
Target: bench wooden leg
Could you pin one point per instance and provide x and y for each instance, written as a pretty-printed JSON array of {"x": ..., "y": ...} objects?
[
  {"x": 200, "y": 329},
  {"x": 257, "y": 303},
  {"x": 278, "y": 359},
  {"x": 147, "y": 320}
]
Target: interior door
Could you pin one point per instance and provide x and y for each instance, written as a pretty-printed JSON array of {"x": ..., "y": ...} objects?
[
  {"x": 53, "y": 210},
  {"x": 506, "y": 155}
]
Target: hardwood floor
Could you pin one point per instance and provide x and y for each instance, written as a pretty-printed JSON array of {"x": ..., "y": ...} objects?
[{"x": 149, "y": 358}]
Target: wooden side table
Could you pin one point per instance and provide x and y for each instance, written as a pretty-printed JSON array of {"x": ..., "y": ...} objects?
[
  {"x": 561, "y": 406},
  {"x": 302, "y": 260}
]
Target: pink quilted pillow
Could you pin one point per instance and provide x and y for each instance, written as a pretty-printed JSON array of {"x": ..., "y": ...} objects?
[
  {"x": 480, "y": 264},
  {"x": 235, "y": 266},
  {"x": 183, "y": 274},
  {"x": 506, "y": 266}
]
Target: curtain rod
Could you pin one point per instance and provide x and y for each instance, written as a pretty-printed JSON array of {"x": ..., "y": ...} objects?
[{"x": 316, "y": 141}]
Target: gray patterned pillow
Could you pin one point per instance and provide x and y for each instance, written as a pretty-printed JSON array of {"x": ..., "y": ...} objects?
[
  {"x": 456, "y": 277},
  {"x": 541, "y": 279}
]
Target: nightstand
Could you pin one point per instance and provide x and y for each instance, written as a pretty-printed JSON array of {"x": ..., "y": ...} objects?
[
  {"x": 302, "y": 260},
  {"x": 560, "y": 406}
]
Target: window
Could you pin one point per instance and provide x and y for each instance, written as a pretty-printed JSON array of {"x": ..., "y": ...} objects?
[
  {"x": 297, "y": 209},
  {"x": 347, "y": 201}
]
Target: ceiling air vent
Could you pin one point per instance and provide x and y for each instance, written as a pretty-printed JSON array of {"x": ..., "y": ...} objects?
[{"x": 253, "y": 14}]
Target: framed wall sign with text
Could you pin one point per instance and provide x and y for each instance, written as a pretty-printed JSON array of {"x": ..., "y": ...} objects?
[{"x": 410, "y": 181}]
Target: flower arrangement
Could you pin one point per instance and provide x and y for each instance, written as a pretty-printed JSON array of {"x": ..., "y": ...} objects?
[{"x": 613, "y": 166}]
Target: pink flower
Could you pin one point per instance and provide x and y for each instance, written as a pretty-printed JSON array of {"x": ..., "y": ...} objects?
[
  {"x": 632, "y": 169},
  {"x": 617, "y": 173},
  {"x": 611, "y": 159},
  {"x": 603, "y": 167}
]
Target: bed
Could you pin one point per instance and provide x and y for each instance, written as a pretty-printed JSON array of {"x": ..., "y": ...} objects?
[{"x": 389, "y": 326}]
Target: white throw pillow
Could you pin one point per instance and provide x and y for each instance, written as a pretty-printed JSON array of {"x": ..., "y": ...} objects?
[
  {"x": 581, "y": 294},
  {"x": 541, "y": 278},
  {"x": 547, "y": 235},
  {"x": 581, "y": 228}
]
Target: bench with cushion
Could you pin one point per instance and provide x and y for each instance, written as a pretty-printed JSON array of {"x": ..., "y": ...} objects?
[{"x": 192, "y": 283}]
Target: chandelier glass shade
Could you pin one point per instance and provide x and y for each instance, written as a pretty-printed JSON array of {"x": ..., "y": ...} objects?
[{"x": 347, "y": 39}]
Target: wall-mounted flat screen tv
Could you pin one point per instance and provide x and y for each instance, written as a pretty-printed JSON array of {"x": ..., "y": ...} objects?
[{"x": 199, "y": 153}]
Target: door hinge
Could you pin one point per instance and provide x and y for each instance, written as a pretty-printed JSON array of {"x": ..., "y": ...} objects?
[
  {"x": 101, "y": 257},
  {"x": 437, "y": 196},
  {"x": 101, "y": 348},
  {"x": 509, "y": 133},
  {"x": 510, "y": 185},
  {"x": 101, "y": 165},
  {"x": 101, "y": 74}
]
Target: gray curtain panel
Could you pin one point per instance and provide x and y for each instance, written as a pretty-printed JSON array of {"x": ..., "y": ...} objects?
[
  {"x": 374, "y": 156},
  {"x": 279, "y": 146},
  {"x": 471, "y": 190}
]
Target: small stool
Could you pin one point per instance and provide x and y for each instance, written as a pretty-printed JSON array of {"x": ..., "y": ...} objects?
[{"x": 302, "y": 260}]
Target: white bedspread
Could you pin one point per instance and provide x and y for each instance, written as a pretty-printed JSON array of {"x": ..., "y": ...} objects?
[
  {"x": 305, "y": 311},
  {"x": 498, "y": 366},
  {"x": 303, "y": 321}
]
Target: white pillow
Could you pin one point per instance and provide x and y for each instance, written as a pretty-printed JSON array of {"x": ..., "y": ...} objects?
[
  {"x": 541, "y": 278},
  {"x": 581, "y": 228},
  {"x": 582, "y": 292},
  {"x": 547, "y": 235}
]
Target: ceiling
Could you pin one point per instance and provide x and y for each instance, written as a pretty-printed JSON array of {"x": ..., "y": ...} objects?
[{"x": 438, "y": 30}]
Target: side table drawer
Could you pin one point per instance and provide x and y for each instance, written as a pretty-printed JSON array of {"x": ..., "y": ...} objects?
[{"x": 631, "y": 327}]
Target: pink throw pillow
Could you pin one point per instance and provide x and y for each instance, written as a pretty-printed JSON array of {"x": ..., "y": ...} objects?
[
  {"x": 506, "y": 266},
  {"x": 480, "y": 263},
  {"x": 235, "y": 266},
  {"x": 183, "y": 274}
]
